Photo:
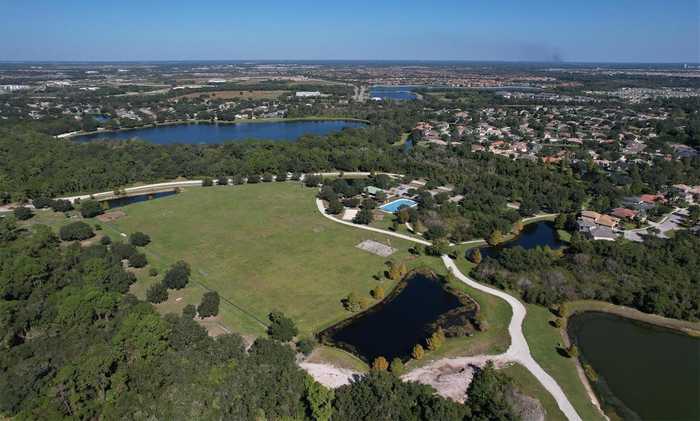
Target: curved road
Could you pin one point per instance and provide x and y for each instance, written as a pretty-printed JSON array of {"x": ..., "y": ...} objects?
[{"x": 518, "y": 351}]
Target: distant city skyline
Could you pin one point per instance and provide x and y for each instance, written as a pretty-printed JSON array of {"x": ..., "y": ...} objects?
[{"x": 595, "y": 31}]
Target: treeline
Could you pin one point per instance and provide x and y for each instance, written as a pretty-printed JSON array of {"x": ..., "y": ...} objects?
[
  {"x": 660, "y": 276},
  {"x": 75, "y": 345}
]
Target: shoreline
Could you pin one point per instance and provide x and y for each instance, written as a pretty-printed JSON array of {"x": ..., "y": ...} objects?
[{"x": 71, "y": 135}]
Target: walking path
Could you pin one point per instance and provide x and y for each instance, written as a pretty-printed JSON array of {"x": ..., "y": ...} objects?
[{"x": 518, "y": 351}]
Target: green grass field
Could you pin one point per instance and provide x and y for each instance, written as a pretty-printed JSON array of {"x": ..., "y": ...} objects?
[
  {"x": 544, "y": 341},
  {"x": 262, "y": 247}
]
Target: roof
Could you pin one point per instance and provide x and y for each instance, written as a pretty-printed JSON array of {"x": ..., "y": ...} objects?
[
  {"x": 623, "y": 213},
  {"x": 373, "y": 190}
]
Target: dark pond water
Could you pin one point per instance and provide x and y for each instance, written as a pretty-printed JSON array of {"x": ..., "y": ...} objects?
[
  {"x": 399, "y": 93},
  {"x": 394, "y": 328},
  {"x": 123, "y": 201},
  {"x": 647, "y": 372},
  {"x": 211, "y": 133},
  {"x": 538, "y": 234}
]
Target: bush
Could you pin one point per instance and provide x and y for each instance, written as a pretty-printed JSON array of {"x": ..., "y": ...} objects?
[
  {"x": 380, "y": 364},
  {"x": 378, "y": 293},
  {"x": 76, "y": 231},
  {"x": 189, "y": 311},
  {"x": 23, "y": 213},
  {"x": 209, "y": 305},
  {"x": 177, "y": 276},
  {"x": 42, "y": 202},
  {"x": 281, "y": 176},
  {"x": 207, "y": 182},
  {"x": 282, "y": 327},
  {"x": 296, "y": 176},
  {"x": 397, "y": 367},
  {"x": 306, "y": 346},
  {"x": 61, "y": 205},
  {"x": 153, "y": 272},
  {"x": 123, "y": 251},
  {"x": 157, "y": 293},
  {"x": 222, "y": 181},
  {"x": 138, "y": 260},
  {"x": 139, "y": 239},
  {"x": 267, "y": 178},
  {"x": 311, "y": 180},
  {"x": 364, "y": 216},
  {"x": 335, "y": 207},
  {"x": 253, "y": 179},
  {"x": 238, "y": 179},
  {"x": 90, "y": 208},
  {"x": 417, "y": 352},
  {"x": 106, "y": 240}
]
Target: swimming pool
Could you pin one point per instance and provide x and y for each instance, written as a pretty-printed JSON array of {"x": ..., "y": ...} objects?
[{"x": 395, "y": 205}]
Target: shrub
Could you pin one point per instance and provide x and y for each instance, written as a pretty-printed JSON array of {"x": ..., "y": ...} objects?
[
  {"x": 417, "y": 352},
  {"x": 311, "y": 180},
  {"x": 267, "y": 177},
  {"x": 364, "y": 216},
  {"x": 378, "y": 293},
  {"x": 90, "y": 208},
  {"x": 281, "y": 176},
  {"x": 123, "y": 251},
  {"x": 42, "y": 202},
  {"x": 306, "y": 346},
  {"x": 238, "y": 179},
  {"x": 153, "y": 272},
  {"x": 177, "y": 276},
  {"x": 157, "y": 293},
  {"x": 572, "y": 351},
  {"x": 139, "y": 239},
  {"x": 189, "y": 311},
  {"x": 106, "y": 240},
  {"x": 61, "y": 205},
  {"x": 590, "y": 373},
  {"x": 75, "y": 231},
  {"x": 335, "y": 207},
  {"x": 207, "y": 182},
  {"x": 352, "y": 302},
  {"x": 253, "y": 179},
  {"x": 23, "y": 213},
  {"x": 296, "y": 176},
  {"x": 222, "y": 181},
  {"x": 475, "y": 256},
  {"x": 380, "y": 364},
  {"x": 138, "y": 260},
  {"x": 282, "y": 327},
  {"x": 397, "y": 367},
  {"x": 209, "y": 305},
  {"x": 435, "y": 341}
]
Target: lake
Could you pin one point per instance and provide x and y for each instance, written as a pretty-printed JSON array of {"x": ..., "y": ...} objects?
[
  {"x": 397, "y": 93},
  {"x": 646, "y": 372},
  {"x": 537, "y": 234},
  {"x": 391, "y": 329},
  {"x": 127, "y": 200},
  {"x": 212, "y": 133}
]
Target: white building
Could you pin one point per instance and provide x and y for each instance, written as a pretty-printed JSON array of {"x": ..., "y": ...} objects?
[{"x": 308, "y": 94}]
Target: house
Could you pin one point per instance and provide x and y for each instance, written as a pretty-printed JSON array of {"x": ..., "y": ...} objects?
[
  {"x": 652, "y": 198},
  {"x": 372, "y": 191},
  {"x": 597, "y": 226},
  {"x": 624, "y": 213}
]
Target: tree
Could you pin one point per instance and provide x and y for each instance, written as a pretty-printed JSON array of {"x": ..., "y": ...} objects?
[
  {"x": 157, "y": 293},
  {"x": 378, "y": 293},
  {"x": 139, "y": 239},
  {"x": 572, "y": 351},
  {"x": 560, "y": 221},
  {"x": 397, "y": 270},
  {"x": 319, "y": 399},
  {"x": 306, "y": 346},
  {"x": 488, "y": 395},
  {"x": 267, "y": 177},
  {"x": 364, "y": 216},
  {"x": 23, "y": 213},
  {"x": 90, "y": 208},
  {"x": 106, "y": 240},
  {"x": 380, "y": 364},
  {"x": 138, "y": 260},
  {"x": 282, "y": 327},
  {"x": 352, "y": 302},
  {"x": 417, "y": 353},
  {"x": 253, "y": 179},
  {"x": 475, "y": 256},
  {"x": 177, "y": 276},
  {"x": 397, "y": 367},
  {"x": 495, "y": 238},
  {"x": 435, "y": 341},
  {"x": 189, "y": 311},
  {"x": 281, "y": 176},
  {"x": 207, "y": 182},
  {"x": 123, "y": 251},
  {"x": 76, "y": 231},
  {"x": 209, "y": 306},
  {"x": 222, "y": 181},
  {"x": 335, "y": 207},
  {"x": 61, "y": 205}
]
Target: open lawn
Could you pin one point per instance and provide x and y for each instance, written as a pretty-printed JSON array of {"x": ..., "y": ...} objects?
[
  {"x": 544, "y": 340},
  {"x": 262, "y": 247},
  {"x": 237, "y": 94}
]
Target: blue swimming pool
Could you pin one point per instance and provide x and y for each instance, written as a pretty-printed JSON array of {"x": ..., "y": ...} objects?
[{"x": 397, "y": 204}]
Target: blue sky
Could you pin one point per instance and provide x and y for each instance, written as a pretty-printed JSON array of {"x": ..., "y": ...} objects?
[{"x": 512, "y": 30}]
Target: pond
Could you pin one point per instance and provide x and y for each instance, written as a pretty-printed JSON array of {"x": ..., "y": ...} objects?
[
  {"x": 212, "y": 133},
  {"x": 397, "y": 93},
  {"x": 645, "y": 372},
  {"x": 392, "y": 328},
  {"x": 127, "y": 200},
  {"x": 537, "y": 234}
]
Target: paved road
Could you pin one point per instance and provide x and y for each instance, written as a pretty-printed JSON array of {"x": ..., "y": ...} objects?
[{"x": 518, "y": 351}]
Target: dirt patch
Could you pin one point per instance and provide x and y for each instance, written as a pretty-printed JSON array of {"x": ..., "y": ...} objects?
[
  {"x": 377, "y": 248},
  {"x": 111, "y": 216},
  {"x": 328, "y": 375}
]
